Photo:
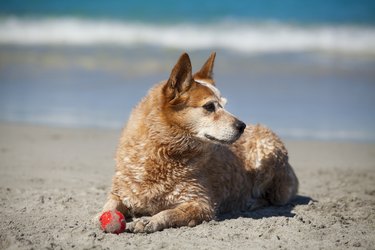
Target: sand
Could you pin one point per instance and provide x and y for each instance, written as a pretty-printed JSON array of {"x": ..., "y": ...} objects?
[{"x": 54, "y": 180}]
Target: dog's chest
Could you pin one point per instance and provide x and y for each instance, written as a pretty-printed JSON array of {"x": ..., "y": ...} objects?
[{"x": 151, "y": 187}]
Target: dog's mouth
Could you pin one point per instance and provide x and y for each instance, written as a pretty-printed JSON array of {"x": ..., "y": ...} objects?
[{"x": 211, "y": 138}]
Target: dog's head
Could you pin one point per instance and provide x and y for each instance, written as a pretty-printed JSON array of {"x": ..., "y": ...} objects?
[{"x": 194, "y": 104}]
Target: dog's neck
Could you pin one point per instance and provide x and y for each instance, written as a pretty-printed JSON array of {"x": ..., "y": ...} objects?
[{"x": 174, "y": 144}]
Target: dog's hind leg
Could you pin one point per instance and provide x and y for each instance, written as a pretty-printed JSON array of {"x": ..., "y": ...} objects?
[
  {"x": 186, "y": 214},
  {"x": 280, "y": 187},
  {"x": 274, "y": 181},
  {"x": 259, "y": 203},
  {"x": 284, "y": 186}
]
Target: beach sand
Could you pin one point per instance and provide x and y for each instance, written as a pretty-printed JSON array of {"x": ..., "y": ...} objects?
[{"x": 54, "y": 180}]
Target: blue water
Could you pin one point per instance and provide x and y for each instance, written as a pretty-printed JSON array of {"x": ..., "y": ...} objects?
[
  {"x": 297, "y": 11},
  {"x": 304, "y": 68},
  {"x": 262, "y": 26}
]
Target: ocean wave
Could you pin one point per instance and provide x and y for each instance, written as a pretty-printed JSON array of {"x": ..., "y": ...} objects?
[{"x": 236, "y": 36}]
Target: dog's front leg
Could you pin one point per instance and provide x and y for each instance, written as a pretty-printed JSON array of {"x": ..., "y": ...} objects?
[
  {"x": 113, "y": 203},
  {"x": 186, "y": 214}
]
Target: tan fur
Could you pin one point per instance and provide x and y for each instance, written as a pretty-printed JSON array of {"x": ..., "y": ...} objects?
[{"x": 171, "y": 170}]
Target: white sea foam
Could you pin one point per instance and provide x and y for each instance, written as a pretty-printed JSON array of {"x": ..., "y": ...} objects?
[{"x": 243, "y": 37}]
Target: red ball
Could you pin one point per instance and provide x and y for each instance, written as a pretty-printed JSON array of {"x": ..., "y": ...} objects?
[{"x": 113, "y": 222}]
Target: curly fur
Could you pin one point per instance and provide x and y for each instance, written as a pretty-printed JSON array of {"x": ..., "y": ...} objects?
[{"x": 170, "y": 174}]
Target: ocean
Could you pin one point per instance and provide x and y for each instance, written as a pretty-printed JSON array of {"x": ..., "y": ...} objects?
[{"x": 306, "y": 69}]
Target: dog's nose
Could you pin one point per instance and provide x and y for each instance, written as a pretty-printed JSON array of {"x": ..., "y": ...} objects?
[{"x": 240, "y": 125}]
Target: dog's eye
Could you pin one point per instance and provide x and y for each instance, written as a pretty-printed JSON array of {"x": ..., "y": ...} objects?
[{"x": 210, "y": 107}]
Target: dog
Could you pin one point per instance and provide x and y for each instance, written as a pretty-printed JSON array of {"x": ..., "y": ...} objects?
[{"x": 183, "y": 159}]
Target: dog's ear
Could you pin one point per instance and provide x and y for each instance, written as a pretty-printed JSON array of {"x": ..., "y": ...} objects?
[
  {"x": 206, "y": 72},
  {"x": 181, "y": 77}
]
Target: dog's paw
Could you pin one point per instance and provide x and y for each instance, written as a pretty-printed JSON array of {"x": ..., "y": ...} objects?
[
  {"x": 137, "y": 225},
  {"x": 153, "y": 226},
  {"x": 145, "y": 225}
]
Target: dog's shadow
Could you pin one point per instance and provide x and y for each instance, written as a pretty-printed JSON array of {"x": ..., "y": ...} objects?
[{"x": 270, "y": 211}]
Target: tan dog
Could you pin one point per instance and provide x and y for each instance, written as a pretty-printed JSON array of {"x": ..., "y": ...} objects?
[{"x": 182, "y": 160}]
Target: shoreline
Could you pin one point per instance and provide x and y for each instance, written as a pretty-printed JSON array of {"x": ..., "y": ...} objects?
[
  {"x": 324, "y": 96},
  {"x": 54, "y": 180}
]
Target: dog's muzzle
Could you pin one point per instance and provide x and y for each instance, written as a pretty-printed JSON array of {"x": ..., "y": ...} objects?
[{"x": 238, "y": 125}]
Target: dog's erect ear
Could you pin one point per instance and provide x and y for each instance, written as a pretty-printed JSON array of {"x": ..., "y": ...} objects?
[
  {"x": 181, "y": 77},
  {"x": 206, "y": 72}
]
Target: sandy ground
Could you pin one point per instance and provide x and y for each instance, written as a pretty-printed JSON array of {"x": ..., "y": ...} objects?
[{"x": 53, "y": 181}]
